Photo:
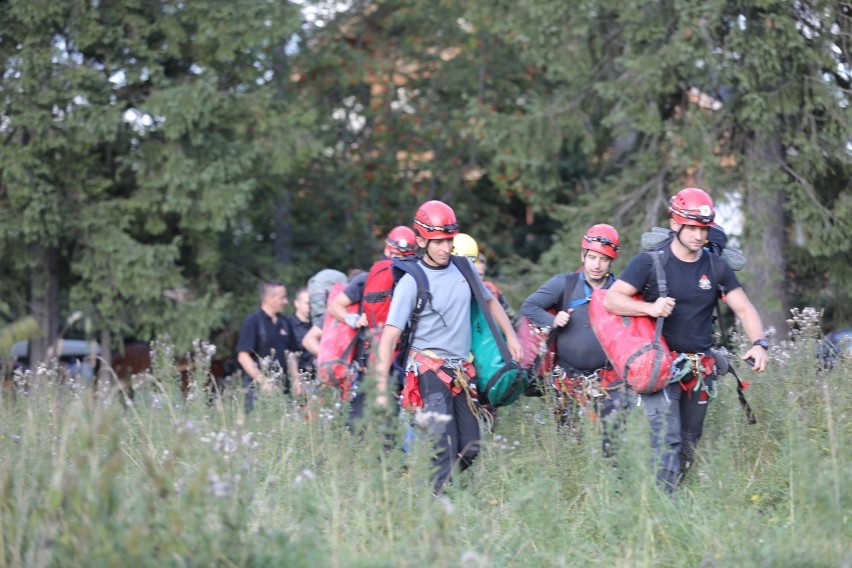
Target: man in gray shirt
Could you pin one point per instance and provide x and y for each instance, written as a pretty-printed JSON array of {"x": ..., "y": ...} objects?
[{"x": 439, "y": 370}]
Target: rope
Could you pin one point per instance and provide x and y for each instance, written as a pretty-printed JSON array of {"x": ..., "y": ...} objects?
[{"x": 461, "y": 381}]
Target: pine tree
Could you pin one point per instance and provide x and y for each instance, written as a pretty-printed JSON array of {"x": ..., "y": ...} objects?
[
  {"x": 134, "y": 137},
  {"x": 743, "y": 100}
]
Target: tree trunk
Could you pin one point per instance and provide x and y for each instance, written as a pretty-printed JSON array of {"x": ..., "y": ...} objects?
[
  {"x": 44, "y": 302},
  {"x": 105, "y": 366},
  {"x": 283, "y": 242},
  {"x": 765, "y": 238}
]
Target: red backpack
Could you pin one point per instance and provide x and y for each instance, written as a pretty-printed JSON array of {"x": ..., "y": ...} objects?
[
  {"x": 634, "y": 344},
  {"x": 378, "y": 290},
  {"x": 338, "y": 347}
]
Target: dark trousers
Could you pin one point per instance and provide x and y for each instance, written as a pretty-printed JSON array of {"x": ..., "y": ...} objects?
[
  {"x": 250, "y": 387},
  {"x": 356, "y": 410},
  {"x": 677, "y": 422},
  {"x": 612, "y": 413},
  {"x": 456, "y": 443}
]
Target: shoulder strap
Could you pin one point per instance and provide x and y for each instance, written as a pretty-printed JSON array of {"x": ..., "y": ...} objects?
[
  {"x": 261, "y": 333},
  {"x": 571, "y": 302},
  {"x": 467, "y": 271},
  {"x": 716, "y": 269},
  {"x": 658, "y": 258},
  {"x": 423, "y": 296}
]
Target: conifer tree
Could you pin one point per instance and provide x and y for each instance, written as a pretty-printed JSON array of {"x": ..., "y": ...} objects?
[
  {"x": 747, "y": 101},
  {"x": 134, "y": 135}
]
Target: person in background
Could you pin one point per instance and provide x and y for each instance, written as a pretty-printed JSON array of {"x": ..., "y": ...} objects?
[
  {"x": 266, "y": 335},
  {"x": 399, "y": 243},
  {"x": 300, "y": 321},
  {"x": 465, "y": 245}
]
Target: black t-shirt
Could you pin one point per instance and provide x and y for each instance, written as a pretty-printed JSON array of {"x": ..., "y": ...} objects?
[
  {"x": 694, "y": 286},
  {"x": 259, "y": 335},
  {"x": 300, "y": 329}
]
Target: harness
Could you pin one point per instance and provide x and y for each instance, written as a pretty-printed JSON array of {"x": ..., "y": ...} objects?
[
  {"x": 583, "y": 386},
  {"x": 458, "y": 375},
  {"x": 689, "y": 369}
]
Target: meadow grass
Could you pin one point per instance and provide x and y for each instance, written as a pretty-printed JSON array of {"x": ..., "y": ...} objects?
[{"x": 169, "y": 481}]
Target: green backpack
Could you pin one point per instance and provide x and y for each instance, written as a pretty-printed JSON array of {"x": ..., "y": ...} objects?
[{"x": 500, "y": 381}]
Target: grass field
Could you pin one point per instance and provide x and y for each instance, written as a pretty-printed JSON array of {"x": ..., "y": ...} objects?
[{"x": 168, "y": 481}]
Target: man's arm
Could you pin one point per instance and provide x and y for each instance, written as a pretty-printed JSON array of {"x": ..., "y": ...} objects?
[
  {"x": 547, "y": 296},
  {"x": 311, "y": 341},
  {"x": 619, "y": 300},
  {"x": 502, "y": 321},
  {"x": 339, "y": 310},
  {"x": 384, "y": 358},
  {"x": 738, "y": 301},
  {"x": 252, "y": 370}
]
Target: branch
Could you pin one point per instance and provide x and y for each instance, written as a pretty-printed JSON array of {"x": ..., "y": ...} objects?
[{"x": 824, "y": 212}]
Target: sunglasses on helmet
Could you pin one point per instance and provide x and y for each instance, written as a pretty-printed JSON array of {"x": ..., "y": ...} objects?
[
  {"x": 602, "y": 240},
  {"x": 454, "y": 227}
]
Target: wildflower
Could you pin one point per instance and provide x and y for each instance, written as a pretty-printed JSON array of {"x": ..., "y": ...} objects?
[
  {"x": 222, "y": 487},
  {"x": 471, "y": 558},
  {"x": 304, "y": 475},
  {"x": 445, "y": 502}
]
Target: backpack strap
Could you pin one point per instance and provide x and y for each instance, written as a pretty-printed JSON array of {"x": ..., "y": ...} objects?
[
  {"x": 262, "y": 335},
  {"x": 715, "y": 267},
  {"x": 720, "y": 295},
  {"x": 658, "y": 259},
  {"x": 587, "y": 291},
  {"x": 464, "y": 265},
  {"x": 401, "y": 267}
]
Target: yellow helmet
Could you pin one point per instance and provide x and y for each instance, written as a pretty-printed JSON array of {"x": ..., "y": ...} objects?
[{"x": 464, "y": 245}]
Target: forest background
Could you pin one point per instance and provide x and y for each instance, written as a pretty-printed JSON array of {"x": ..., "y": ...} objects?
[{"x": 158, "y": 158}]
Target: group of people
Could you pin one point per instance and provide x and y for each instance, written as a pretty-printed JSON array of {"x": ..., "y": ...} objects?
[{"x": 436, "y": 365}]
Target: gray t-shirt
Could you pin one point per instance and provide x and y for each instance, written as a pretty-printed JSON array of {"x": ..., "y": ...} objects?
[{"x": 444, "y": 325}]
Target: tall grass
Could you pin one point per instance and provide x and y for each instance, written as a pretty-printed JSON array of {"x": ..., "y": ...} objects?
[{"x": 169, "y": 481}]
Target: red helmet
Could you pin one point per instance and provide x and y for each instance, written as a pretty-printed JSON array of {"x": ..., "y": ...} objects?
[
  {"x": 435, "y": 220},
  {"x": 602, "y": 238},
  {"x": 692, "y": 206},
  {"x": 401, "y": 241}
]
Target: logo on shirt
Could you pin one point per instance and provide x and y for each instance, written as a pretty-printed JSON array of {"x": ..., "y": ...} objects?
[{"x": 704, "y": 282}]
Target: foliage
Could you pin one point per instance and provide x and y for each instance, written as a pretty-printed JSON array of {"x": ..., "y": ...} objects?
[
  {"x": 135, "y": 136},
  {"x": 168, "y": 480},
  {"x": 743, "y": 100},
  {"x": 160, "y": 158},
  {"x": 391, "y": 82}
]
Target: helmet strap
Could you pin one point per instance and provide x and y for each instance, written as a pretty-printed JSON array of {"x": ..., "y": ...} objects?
[
  {"x": 429, "y": 256},
  {"x": 677, "y": 234}
]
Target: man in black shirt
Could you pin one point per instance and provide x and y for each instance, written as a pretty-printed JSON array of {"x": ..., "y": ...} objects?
[
  {"x": 694, "y": 280},
  {"x": 265, "y": 338}
]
